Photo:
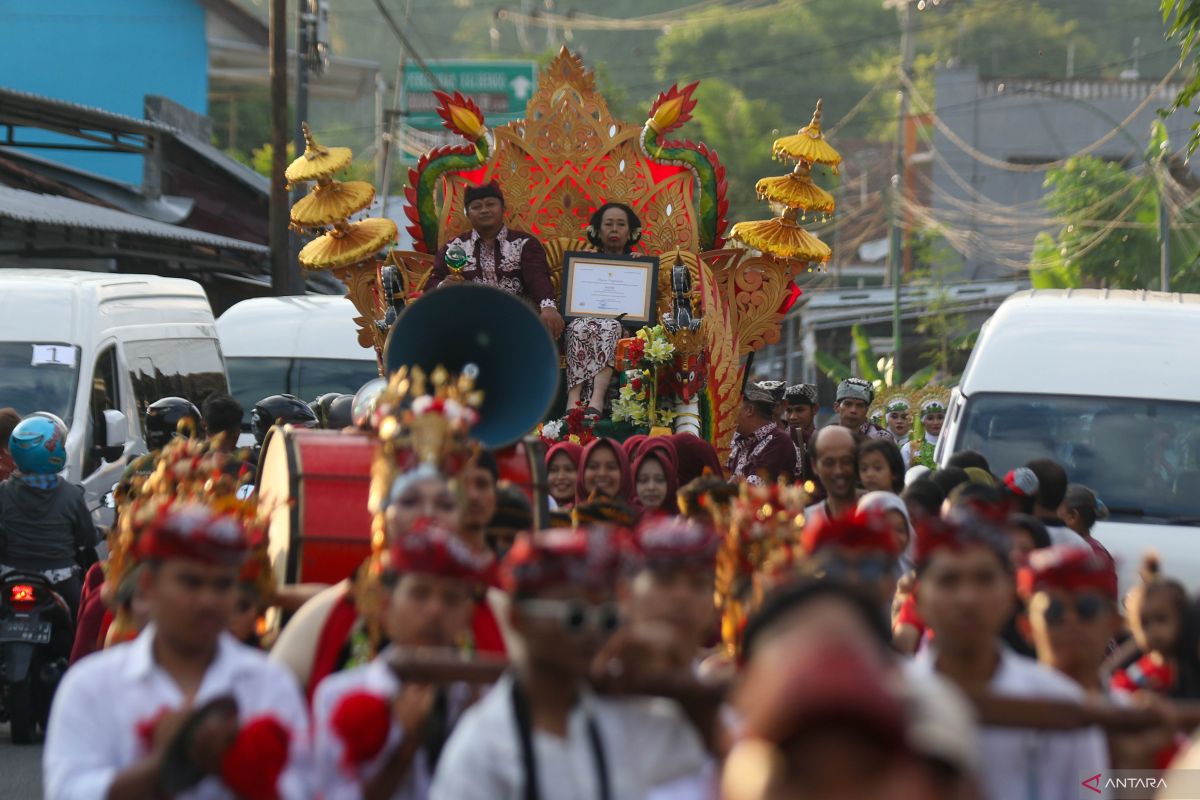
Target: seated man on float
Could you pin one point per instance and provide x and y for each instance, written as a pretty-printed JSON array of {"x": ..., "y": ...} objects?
[{"x": 499, "y": 256}]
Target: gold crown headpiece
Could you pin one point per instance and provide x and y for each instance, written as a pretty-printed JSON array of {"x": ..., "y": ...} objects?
[
  {"x": 187, "y": 472},
  {"x": 765, "y": 519},
  {"x": 425, "y": 421}
]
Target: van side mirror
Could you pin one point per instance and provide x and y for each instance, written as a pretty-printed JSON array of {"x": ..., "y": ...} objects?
[{"x": 116, "y": 434}]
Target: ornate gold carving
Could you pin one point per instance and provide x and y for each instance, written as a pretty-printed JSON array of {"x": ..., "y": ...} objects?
[
  {"x": 567, "y": 157},
  {"x": 760, "y": 286}
]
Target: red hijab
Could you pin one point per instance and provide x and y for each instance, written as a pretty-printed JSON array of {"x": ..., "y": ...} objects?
[
  {"x": 570, "y": 449},
  {"x": 661, "y": 450},
  {"x": 625, "y": 493},
  {"x": 633, "y": 444},
  {"x": 694, "y": 454}
]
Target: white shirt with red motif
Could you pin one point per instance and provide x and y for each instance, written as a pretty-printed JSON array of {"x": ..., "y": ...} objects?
[{"x": 107, "y": 703}]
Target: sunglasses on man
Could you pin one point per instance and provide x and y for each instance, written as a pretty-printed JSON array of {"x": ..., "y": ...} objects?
[
  {"x": 1087, "y": 607},
  {"x": 574, "y": 616}
]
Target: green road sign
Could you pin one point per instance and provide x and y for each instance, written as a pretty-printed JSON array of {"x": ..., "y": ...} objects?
[{"x": 500, "y": 88}]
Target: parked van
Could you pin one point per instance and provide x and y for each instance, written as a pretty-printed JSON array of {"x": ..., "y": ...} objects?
[
  {"x": 96, "y": 349},
  {"x": 305, "y": 345},
  {"x": 1107, "y": 383}
]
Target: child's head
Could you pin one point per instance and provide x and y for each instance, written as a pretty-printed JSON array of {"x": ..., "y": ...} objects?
[
  {"x": 880, "y": 466},
  {"x": 1158, "y": 611},
  {"x": 1080, "y": 509}
]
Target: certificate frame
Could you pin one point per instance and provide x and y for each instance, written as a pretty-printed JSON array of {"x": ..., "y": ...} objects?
[{"x": 638, "y": 304}]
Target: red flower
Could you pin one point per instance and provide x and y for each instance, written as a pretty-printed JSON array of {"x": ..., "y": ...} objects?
[
  {"x": 253, "y": 763},
  {"x": 362, "y": 721}
]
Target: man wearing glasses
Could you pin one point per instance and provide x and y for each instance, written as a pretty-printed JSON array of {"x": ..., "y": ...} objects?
[{"x": 542, "y": 732}]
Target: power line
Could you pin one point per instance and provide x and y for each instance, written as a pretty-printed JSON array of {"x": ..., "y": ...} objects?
[{"x": 433, "y": 78}]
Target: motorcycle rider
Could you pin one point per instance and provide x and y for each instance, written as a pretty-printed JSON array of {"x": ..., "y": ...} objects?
[
  {"x": 284, "y": 409},
  {"x": 163, "y": 418},
  {"x": 45, "y": 525}
]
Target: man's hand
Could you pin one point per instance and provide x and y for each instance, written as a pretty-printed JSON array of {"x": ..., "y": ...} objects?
[
  {"x": 412, "y": 706},
  {"x": 212, "y": 738},
  {"x": 553, "y": 321}
]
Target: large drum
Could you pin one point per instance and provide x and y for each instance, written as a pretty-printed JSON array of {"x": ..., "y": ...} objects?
[{"x": 315, "y": 484}]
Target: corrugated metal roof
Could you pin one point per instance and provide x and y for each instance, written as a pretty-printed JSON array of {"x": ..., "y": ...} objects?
[
  {"x": 32, "y": 108},
  {"x": 22, "y": 206}
]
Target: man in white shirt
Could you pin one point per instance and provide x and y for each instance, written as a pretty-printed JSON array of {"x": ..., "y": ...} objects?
[
  {"x": 373, "y": 735},
  {"x": 541, "y": 732},
  {"x": 965, "y": 592},
  {"x": 134, "y": 720}
]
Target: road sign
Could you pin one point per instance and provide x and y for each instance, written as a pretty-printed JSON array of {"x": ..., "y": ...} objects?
[{"x": 501, "y": 88}]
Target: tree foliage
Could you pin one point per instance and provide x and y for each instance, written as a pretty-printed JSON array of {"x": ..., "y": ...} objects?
[
  {"x": 1108, "y": 236},
  {"x": 1182, "y": 18}
]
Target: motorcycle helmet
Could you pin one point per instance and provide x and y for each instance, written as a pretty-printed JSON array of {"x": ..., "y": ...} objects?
[
  {"x": 362, "y": 410},
  {"x": 340, "y": 414},
  {"x": 280, "y": 408},
  {"x": 38, "y": 445},
  {"x": 163, "y": 418},
  {"x": 321, "y": 407}
]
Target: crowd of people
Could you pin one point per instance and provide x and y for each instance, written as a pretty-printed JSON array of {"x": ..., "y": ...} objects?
[
  {"x": 823, "y": 615},
  {"x": 826, "y": 613}
]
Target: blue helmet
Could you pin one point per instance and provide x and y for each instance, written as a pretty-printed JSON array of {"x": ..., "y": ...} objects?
[{"x": 39, "y": 445}]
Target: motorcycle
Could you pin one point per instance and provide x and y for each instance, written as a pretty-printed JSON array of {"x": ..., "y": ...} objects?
[{"x": 36, "y": 632}]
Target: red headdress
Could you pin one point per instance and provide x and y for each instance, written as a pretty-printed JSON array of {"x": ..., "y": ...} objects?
[
  {"x": 193, "y": 531},
  {"x": 588, "y": 557},
  {"x": 674, "y": 541},
  {"x": 1068, "y": 568},
  {"x": 862, "y": 530},
  {"x": 955, "y": 532},
  {"x": 430, "y": 550}
]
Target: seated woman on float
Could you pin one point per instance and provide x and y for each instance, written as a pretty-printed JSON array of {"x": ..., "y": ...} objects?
[{"x": 590, "y": 343}]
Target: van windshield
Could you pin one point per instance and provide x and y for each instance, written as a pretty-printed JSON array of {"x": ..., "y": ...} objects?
[
  {"x": 1141, "y": 457},
  {"x": 252, "y": 379},
  {"x": 39, "y": 376}
]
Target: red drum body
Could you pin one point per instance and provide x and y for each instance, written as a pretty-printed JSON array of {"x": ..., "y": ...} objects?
[{"x": 315, "y": 484}]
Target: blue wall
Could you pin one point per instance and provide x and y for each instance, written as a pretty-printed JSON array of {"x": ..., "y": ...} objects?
[{"x": 108, "y": 54}]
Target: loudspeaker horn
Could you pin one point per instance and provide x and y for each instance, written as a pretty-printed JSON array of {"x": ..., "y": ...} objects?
[{"x": 500, "y": 335}]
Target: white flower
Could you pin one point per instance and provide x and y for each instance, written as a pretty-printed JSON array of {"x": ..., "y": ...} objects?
[
  {"x": 552, "y": 430},
  {"x": 422, "y": 404}
]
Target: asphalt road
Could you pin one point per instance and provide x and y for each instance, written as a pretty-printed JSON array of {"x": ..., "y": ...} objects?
[{"x": 20, "y": 768}]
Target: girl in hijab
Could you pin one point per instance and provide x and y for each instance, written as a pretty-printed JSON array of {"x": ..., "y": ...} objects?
[
  {"x": 895, "y": 510},
  {"x": 694, "y": 456},
  {"x": 656, "y": 477},
  {"x": 604, "y": 470},
  {"x": 562, "y": 472}
]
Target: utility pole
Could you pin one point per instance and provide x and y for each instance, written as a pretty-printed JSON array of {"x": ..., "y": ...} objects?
[
  {"x": 895, "y": 252},
  {"x": 278, "y": 214},
  {"x": 392, "y": 118}
]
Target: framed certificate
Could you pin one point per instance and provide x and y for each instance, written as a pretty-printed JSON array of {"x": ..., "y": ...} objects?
[{"x": 602, "y": 285}]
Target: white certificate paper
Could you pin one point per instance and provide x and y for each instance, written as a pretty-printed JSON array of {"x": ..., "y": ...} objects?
[{"x": 605, "y": 289}]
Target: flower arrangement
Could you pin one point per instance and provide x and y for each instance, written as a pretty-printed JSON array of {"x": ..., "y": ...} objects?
[
  {"x": 641, "y": 358},
  {"x": 574, "y": 427}
]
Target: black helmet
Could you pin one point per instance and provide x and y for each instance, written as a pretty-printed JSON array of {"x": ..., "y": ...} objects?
[
  {"x": 285, "y": 408},
  {"x": 321, "y": 407},
  {"x": 340, "y": 413},
  {"x": 163, "y": 418}
]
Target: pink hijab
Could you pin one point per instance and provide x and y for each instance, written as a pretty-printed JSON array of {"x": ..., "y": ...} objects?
[{"x": 626, "y": 491}]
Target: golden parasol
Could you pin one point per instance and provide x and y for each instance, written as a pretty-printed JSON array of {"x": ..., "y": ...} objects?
[
  {"x": 330, "y": 201},
  {"x": 808, "y": 145},
  {"x": 348, "y": 243},
  {"x": 317, "y": 161},
  {"x": 796, "y": 190},
  {"x": 782, "y": 237}
]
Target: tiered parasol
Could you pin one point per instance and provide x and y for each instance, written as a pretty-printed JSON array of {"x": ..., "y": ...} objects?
[
  {"x": 331, "y": 203},
  {"x": 797, "y": 195}
]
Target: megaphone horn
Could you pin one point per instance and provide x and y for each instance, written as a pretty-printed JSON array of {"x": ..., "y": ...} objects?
[{"x": 469, "y": 324}]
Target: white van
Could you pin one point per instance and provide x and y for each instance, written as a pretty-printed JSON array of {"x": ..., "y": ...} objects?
[
  {"x": 305, "y": 345},
  {"x": 1107, "y": 383},
  {"x": 96, "y": 349}
]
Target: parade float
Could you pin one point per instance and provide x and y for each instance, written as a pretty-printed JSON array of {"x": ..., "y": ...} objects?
[{"x": 722, "y": 293}]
